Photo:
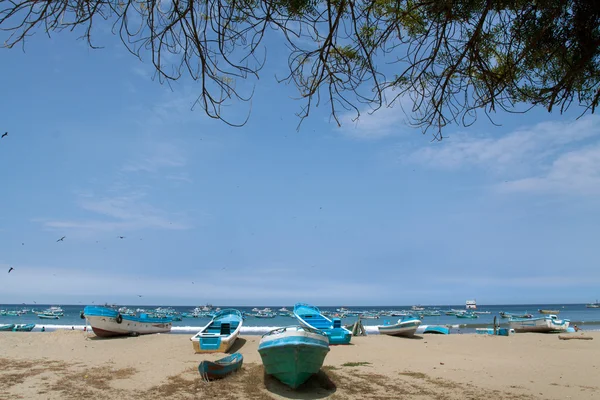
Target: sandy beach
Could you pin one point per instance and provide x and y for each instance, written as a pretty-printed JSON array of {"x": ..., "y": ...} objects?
[{"x": 77, "y": 365}]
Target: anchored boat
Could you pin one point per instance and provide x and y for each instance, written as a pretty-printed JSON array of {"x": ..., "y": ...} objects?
[
  {"x": 310, "y": 317},
  {"x": 220, "y": 333},
  {"x": 107, "y": 322},
  {"x": 293, "y": 354}
]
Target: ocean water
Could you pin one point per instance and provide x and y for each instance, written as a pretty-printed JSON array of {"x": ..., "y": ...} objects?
[{"x": 585, "y": 318}]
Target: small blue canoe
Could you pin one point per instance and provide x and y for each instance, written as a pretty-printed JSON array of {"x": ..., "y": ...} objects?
[
  {"x": 221, "y": 368},
  {"x": 436, "y": 329}
]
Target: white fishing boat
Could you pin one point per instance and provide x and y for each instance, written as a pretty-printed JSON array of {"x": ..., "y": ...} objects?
[
  {"x": 471, "y": 305},
  {"x": 220, "y": 333},
  {"x": 550, "y": 323},
  {"x": 107, "y": 322},
  {"x": 406, "y": 326}
]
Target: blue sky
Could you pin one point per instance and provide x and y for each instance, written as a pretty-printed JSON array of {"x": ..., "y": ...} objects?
[{"x": 372, "y": 213}]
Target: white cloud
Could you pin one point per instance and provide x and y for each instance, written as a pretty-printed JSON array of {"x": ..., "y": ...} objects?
[
  {"x": 118, "y": 214},
  {"x": 555, "y": 156},
  {"x": 390, "y": 119},
  {"x": 155, "y": 157}
]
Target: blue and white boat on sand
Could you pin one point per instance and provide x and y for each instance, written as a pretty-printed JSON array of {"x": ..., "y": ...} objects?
[
  {"x": 293, "y": 354},
  {"x": 550, "y": 323},
  {"x": 406, "y": 326},
  {"x": 310, "y": 317},
  {"x": 107, "y": 322},
  {"x": 220, "y": 333},
  {"x": 6, "y": 327}
]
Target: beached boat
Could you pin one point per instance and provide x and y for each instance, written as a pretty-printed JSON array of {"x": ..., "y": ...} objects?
[
  {"x": 293, "y": 354},
  {"x": 548, "y": 311},
  {"x": 23, "y": 328},
  {"x": 6, "y": 328},
  {"x": 550, "y": 323},
  {"x": 406, "y": 326},
  {"x": 499, "y": 331},
  {"x": 220, "y": 333},
  {"x": 210, "y": 370},
  {"x": 310, "y": 317},
  {"x": 436, "y": 329},
  {"x": 107, "y": 322}
]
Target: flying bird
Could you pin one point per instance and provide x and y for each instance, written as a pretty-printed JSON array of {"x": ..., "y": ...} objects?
[
  {"x": 121, "y": 237},
  {"x": 61, "y": 239},
  {"x": 4, "y": 134},
  {"x": 10, "y": 269},
  {"x": 139, "y": 295}
]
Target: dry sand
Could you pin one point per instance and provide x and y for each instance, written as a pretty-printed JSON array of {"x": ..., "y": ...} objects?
[{"x": 76, "y": 365}]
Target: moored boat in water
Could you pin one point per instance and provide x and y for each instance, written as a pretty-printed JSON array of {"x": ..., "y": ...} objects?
[
  {"x": 106, "y": 322},
  {"x": 311, "y": 317},
  {"x": 549, "y": 323},
  {"x": 220, "y": 333},
  {"x": 542, "y": 311},
  {"x": 293, "y": 354},
  {"x": 211, "y": 370}
]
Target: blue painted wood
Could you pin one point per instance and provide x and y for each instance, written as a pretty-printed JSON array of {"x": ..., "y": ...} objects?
[
  {"x": 221, "y": 368},
  {"x": 311, "y": 317}
]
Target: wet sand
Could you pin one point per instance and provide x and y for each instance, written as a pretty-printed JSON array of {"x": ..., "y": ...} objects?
[{"x": 77, "y": 365}]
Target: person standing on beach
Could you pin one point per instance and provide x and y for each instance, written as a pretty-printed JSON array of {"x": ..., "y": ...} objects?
[{"x": 43, "y": 329}]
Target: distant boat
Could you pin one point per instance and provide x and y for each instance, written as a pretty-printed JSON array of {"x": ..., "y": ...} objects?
[
  {"x": 6, "y": 328},
  {"x": 293, "y": 354},
  {"x": 550, "y": 323},
  {"x": 482, "y": 312},
  {"x": 436, "y": 329},
  {"x": 417, "y": 308},
  {"x": 107, "y": 322},
  {"x": 471, "y": 304},
  {"x": 220, "y": 333},
  {"x": 548, "y": 311},
  {"x": 499, "y": 331},
  {"x": 262, "y": 314},
  {"x": 48, "y": 316},
  {"x": 406, "y": 326},
  {"x": 466, "y": 315},
  {"x": 24, "y": 328},
  {"x": 210, "y": 370},
  {"x": 593, "y": 305},
  {"x": 311, "y": 317}
]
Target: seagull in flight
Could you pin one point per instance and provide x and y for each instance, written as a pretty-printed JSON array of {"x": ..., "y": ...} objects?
[
  {"x": 121, "y": 237},
  {"x": 10, "y": 269},
  {"x": 61, "y": 239},
  {"x": 139, "y": 295},
  {"x": 4, "y": 134}
]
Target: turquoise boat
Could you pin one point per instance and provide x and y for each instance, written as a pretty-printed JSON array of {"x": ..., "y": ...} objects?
[
  {"x": 467, "y": 315},
  {"x": 220, "y": 333},
  {"x": 436, "y": 329},
  {"x": 310, "y": 317},
  {"x": 6, "y": 328},
  {"x": 24, "y": 328},
  {"x": 293, "y": 354},
  {"x": 219, "y": 369}
]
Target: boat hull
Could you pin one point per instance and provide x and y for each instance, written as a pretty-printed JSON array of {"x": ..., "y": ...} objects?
[
  {"x": 221, "y": 368},
  {"x": 6, "y": 328},
  {"x": 541, "y": 325},
  {"x": 402, "y": 328},
  {"x": 311, "y": 318},
  {"x": 293, "y": 355},
  {"x": 105, "y": 323}
]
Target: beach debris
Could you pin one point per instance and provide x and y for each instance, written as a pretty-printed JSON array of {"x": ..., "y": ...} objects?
[
  {"x": 10, "y": 269},
  {"x": 358, "y": 329},
  {"x": 577, "y": 337},
  {"x": 4, "y": 134},
  {"x": 61, "y": 239}
]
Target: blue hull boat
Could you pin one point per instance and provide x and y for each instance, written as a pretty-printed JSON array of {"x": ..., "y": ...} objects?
[
  {"x": 219, "y": 369},
  {"x": 310, "y": 317},
  {"x": 436, "y": 329},
  {"x": 220, "y": 333},
  {"x": 293, "y": 354},
  {"x": 24, "y": 328},
  {"x": 6, "y": 328}
]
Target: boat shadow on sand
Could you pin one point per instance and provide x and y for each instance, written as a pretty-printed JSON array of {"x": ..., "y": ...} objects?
[
  {"x": 317, "y": 386},
  {"x": 237, "y": 345}
]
